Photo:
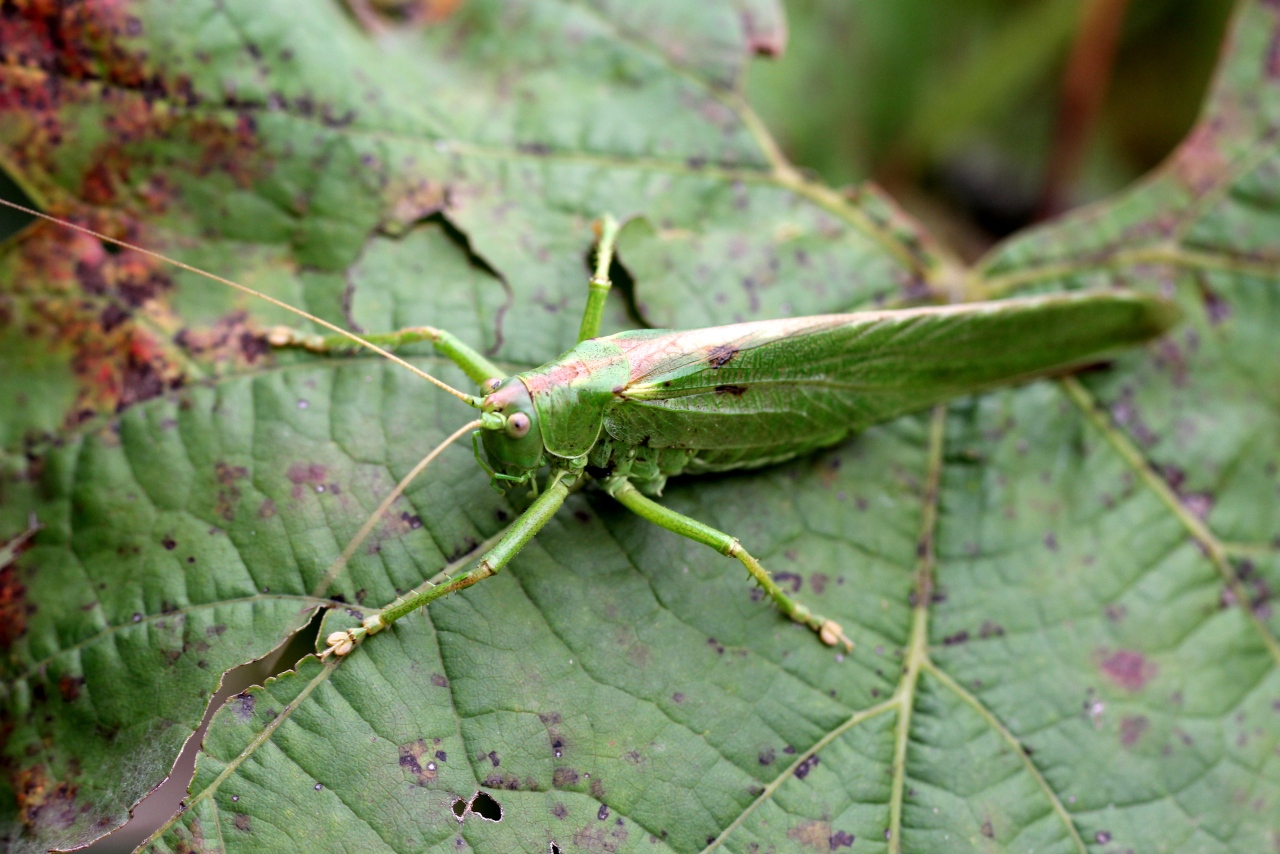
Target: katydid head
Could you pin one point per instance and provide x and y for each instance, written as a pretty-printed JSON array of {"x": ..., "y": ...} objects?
[{"x": 511, "y": 436}]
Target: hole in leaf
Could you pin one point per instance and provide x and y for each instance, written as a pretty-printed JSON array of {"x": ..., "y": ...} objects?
[
  {"x": 486, "y": 807},
  {"x": 555, "y": 849},
  {"x": 460, "y": 808},
  {"x": 163, "y": 801}
]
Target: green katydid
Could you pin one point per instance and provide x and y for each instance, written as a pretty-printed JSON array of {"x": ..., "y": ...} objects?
[{"x": 633, "y": 409}]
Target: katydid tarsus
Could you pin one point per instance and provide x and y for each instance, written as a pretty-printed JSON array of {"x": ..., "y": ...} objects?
[{"x": 631, "y": 410}]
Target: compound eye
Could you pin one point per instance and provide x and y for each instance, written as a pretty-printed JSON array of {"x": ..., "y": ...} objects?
[
  {"x": 490, "y": 385},
  {"x": 518, "y": 426}
]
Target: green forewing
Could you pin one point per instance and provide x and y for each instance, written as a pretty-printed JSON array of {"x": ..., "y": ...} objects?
[{"x": 753, "y": 393}]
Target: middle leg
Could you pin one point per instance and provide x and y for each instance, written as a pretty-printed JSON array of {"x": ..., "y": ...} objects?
[{"x": 631, "y": 498}]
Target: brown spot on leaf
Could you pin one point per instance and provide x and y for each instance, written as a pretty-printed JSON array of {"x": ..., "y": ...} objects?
[
  {"x": 1132, "y": 729},
  {"x": 735, "y": 390},
  {"x": 721, "y": 355},
  {"x": 764, "y": 37},
  {"x": 1129, "y": 669},
  {"x": 563, "y": 776},
  {"x": 415, "y": 759},
  {"x": 1199, "y": 161},
  {"x": 44, "y": 803},
  {"x": 812, "y": 834},
  {"x": 595, "y": 839},
  {"x": 13, "y": 606},
  {"x": 69, "y": 687},
  {"x": 227, "y": 497}
]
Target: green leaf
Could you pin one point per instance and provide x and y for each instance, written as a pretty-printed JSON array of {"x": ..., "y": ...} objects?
[{"x": 1060, "y": 594}]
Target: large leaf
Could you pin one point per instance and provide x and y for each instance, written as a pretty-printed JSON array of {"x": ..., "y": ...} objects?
[{"x": 1060, "y": 593}]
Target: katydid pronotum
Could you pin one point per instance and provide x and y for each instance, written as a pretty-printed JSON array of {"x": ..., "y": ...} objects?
[{"x": 631, "y": 410}]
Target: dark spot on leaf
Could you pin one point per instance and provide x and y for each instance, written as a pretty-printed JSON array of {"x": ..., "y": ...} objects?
[
  {"x": 767, "y": 756},
  {"x": 1051, "y": 542},
  {"x": 413, "y": 522},
  {"x": 112, "y": 317},
  {"x": 439, "y": 680},
  {"x": 805, "y": 766},
  {"x": 493, "y": 757},
  {"x": 841, "y": 839},
  {"x": 791, "y": 578},
  {"x": 169, "y": 543},
  {"x": 1102, "y": 837},
  {"x": 959, "y": 637},
  {"x": 990, "y": 630},
  {"x": 818, "y": 583},
  {"x": 735, "y": 390},
  {"x": 241, "y": 822},
  {"x": 559, "y": 811},
  {"x": 242, "y": 705},
  {"x": 677, "y": 697},
  {"x": 789, "y": 750},
  {"x": 987, "y": 829},
  {"x": 602, "y": 813},
  {"x": 597, "y": 788}
]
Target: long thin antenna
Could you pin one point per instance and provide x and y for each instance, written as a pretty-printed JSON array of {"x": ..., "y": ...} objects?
[
  {"x": 465, "y": 398},
  {"x": 335, "y": 569}
]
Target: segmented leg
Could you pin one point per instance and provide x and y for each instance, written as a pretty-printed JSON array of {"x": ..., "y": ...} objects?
[
  {"x": 600, "y": 283},
  {"x": 474, "y": 365},
  {"x": 522, "y": 531},
  {"x": 620, "y": 488}
]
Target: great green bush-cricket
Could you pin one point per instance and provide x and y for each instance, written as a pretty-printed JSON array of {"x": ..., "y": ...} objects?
[{"x": 631, "y": 410}]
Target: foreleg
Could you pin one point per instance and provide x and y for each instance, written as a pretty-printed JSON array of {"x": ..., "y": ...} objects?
[
  {"x": 474, "y": 365},
  {"x": 520, "y": 533}
]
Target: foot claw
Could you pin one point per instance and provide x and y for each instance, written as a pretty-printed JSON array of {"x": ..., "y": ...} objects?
[{"x": 832, "y": 634}]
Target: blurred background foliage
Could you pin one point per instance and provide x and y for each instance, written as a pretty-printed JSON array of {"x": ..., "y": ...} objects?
[{"x": 954, "y": 107}]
